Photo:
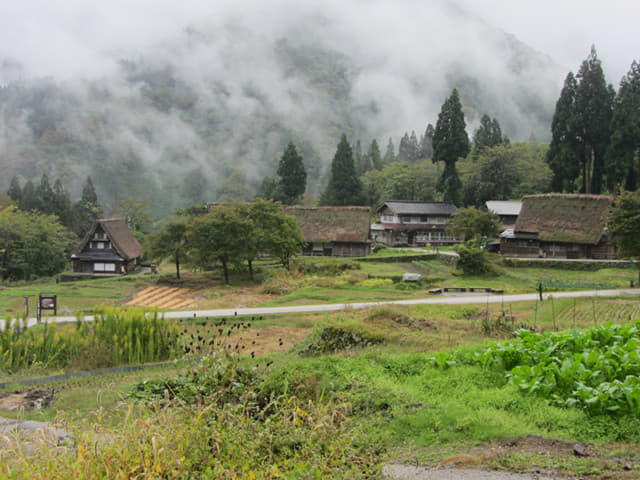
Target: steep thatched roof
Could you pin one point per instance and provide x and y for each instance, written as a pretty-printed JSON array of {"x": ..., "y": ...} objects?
[
  {"x": 333, "y": 224},
  {"x": 121, "y": 237},
  {"x": 566, "y": 218}
]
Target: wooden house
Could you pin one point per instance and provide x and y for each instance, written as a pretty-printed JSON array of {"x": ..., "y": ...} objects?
[
  {"x": 404, "y": 223},
  {"x": 507, "y": 211},
  {"x": 561, "y": 226},
  {"x": 334, "y": 231},
  {"x": 108, "y": 248}
]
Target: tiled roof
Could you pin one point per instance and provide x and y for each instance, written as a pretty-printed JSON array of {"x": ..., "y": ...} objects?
[{"x": 400, "y": 207}]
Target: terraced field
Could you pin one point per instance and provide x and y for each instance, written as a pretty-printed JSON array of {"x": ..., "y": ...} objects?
[{"x": 162, "y": 297}]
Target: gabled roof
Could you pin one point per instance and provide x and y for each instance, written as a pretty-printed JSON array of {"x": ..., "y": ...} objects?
[
  {"x": 401, "y": 207},
  {"x": 503, "y": 207},
  {"x": 566, "y": 218},
  {"x": 121, "y": 237},
  {"x": 333, "y": 224}
]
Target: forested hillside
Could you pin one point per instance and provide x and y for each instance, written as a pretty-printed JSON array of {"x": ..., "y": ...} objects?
[{"x": 206, "y": 116}]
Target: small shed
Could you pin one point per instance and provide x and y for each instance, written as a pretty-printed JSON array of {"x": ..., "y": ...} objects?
[
  {"x": 334, "y": 231},
  {"x": 561, "y": 226},
  {"x": 108, "y": 248}
]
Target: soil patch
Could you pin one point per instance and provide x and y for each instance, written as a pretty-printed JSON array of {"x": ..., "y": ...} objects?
[{"x": 33, "y": 399}]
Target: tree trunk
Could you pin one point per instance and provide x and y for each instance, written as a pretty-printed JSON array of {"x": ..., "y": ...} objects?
[
  {"x": 250, "y": 262},
  {"x": 178, "y": 265},
  {"x": 225, "y": 270}
]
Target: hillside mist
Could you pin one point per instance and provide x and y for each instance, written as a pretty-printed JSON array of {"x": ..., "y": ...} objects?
[{"x": 205, "y": 111}]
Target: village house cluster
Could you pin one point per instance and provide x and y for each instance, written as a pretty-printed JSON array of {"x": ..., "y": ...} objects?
[{"x": 564, "y": 226}]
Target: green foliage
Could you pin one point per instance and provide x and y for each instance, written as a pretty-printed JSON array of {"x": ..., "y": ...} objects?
[
  {"x": 473, "y": 224},
  {"x": 329, "y": 339},
  {"x": 488, "y": 134},
  {"x": 237, "y": 232},
  {"x": 596, "y": 370},
  {"x": 622, "y": 155},
  {"x": 344, "y": 187},
  {"x": 32, "y": 244},
  {"x": 624, "y": 223},
  {"x": 216, "y": 236},
  {"x": 170, "y": 241},
  {"x": 116, "y": 337},
  {"x": 472, "y": 259},
  {"x": 218, "y": 377},
  {"x": 400, "y": 180},
  {"x": 136, "y": 216}
]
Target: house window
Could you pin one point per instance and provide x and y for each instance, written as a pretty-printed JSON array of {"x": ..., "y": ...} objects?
[
  {"x": 100, "y": 245},
  {"x": 389, "y": 219},
  {"x": 104, "y": 267}
]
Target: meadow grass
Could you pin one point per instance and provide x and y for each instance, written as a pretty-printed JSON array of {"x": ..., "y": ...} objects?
[{"x": 338, "y": 414}]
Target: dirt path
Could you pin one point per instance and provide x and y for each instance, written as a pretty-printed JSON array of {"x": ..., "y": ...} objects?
[{"x": 408, "y": 472}]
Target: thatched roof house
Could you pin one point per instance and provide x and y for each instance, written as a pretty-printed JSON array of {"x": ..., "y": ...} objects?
[
  {"x": 109, "y": 247},
  {"x": 562, "y": 225},
  {"x": 336, "y": 231}
]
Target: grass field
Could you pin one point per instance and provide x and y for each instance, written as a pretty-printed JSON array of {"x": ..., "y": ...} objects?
[{"x": 331, "y": 395}]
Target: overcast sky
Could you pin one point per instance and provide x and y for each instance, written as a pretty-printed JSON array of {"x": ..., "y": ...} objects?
[
  {"x": 43, "y": 32},
  {"x": 566, "y": 29}
]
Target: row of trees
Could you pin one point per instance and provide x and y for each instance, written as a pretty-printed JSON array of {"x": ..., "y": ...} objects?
[
  {"x": 228, "y": 234},
  {"x": 596, "y": 132},
  {"x": 77, "y": 217}
]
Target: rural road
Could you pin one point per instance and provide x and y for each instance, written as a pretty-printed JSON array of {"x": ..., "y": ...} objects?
[{"x": 444, "y": 299}]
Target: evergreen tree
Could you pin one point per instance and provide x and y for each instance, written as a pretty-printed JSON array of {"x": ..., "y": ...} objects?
[
  {"x": 85, "y": 210},
  {"x": 450, "y": 142},
  {"x": 344, "y": 186},
  {"x": 89, "y": 194},
  {"x": 293, "y": 176},
  {"x": 375, "y": 159},
  {"x": 389, "y": 154},
  {"x": 45, "y": 195},
  {"x": 488, "y": 134},
  {"x": 594, "y": 105},
  {"x": 563, "y": 156},
  {"x": 29, "y": 197},
  {"x": 414, "y": 149},
  {"x": 15, "y": 192},
  {"x": 403, "y": 149},
  {"x": 62, "y": 203},
  {"x": 624, "y": 147},
  {"x": 426, "y": 144}
]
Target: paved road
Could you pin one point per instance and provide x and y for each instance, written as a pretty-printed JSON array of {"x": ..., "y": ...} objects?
[{"x": 444, "y": 299}]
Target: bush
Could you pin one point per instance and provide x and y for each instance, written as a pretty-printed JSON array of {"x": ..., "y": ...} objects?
[{"x": 472, "y": 259}]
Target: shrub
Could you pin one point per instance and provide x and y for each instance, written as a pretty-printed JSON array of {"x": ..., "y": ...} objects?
[{"x": 472, "y": 259}]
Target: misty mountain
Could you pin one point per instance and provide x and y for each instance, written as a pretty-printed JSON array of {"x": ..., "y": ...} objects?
[{"x": 206, "y": 113}]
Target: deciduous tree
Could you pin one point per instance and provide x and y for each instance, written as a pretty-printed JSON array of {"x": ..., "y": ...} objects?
[{"x": 624, "y": 225}]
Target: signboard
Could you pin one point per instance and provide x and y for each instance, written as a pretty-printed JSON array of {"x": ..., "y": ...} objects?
[{"x": 47, "y": 302}]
